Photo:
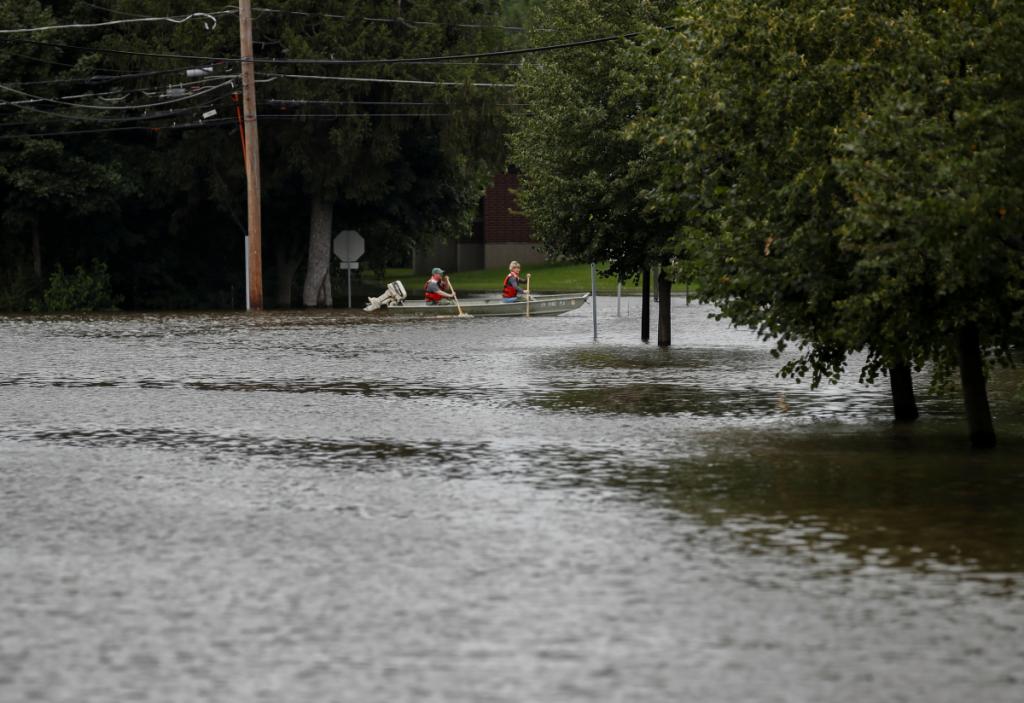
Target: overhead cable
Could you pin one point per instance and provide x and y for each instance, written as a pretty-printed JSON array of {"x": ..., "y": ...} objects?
[
  {"x": 134, "y": 20},
  {"x": 121, "y": 94},
  {"x": 346, "y": 62},
  {"x": 403, "y": 81},
  {"x": 398, "y": 20},
  {"x": 111, "y": 79},
  {"x": 226, "y": 121},
  {"x": 195, "y": 94},
  {"x": 89, "y": 118},
  {"x": 327, "y": 15}
]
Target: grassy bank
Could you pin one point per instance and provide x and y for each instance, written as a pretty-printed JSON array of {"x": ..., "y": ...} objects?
[{"x": 547, "y": 278}]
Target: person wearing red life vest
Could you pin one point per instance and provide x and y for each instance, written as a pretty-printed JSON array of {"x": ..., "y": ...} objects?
[
  {"x": 511, "y": 288},
  {"x": 435, "y": 290}
]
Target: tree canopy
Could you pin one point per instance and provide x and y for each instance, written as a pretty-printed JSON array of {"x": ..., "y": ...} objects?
[
  {"x": 854, "y": 171},
  {"x": 398, "y": 150},
  {"x": 581, "y": 174}
]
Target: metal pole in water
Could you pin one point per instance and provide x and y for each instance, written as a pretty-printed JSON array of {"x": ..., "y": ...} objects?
[
  {"x": 593, "y": 295},
  {"x": 618, "y": 300},
  {"x": 350, "y": 285},
  {"x": 248, "y": 301}
]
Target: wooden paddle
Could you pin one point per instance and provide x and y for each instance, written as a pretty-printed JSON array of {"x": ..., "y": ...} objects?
[
  {"x": 527, "y": 295},
  {"x": 455, "y": 298}
]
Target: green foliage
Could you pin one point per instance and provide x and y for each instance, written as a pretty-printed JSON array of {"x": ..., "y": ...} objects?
[
  {"x": 936, "y": 176},
  {"x": 402, "y": 161},
  {"x": 842, "y": 169},
  {"x": 581, "y": 174},
  {"x": 81, "y": 290}
]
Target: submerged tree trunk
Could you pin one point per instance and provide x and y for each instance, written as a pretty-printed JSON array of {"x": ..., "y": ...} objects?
[
  {"x": 317, "y": 289},
  {"x": 904, "y": 405},
  {"x": 645, "y": 305},
  {"x": 664, "y": 309},
  {"x": 972, "y": 380}
]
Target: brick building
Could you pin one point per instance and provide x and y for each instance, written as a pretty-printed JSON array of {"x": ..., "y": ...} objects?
[{"x": 499, "y": 235}]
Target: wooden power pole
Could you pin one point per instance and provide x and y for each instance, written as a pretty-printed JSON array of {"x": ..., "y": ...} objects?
[{"x": 252, "y": 156}]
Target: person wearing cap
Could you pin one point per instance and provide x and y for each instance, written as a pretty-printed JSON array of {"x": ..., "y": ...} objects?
[
  {"x": 510, "y": 289},
  {"x": 435, "y": 290}
]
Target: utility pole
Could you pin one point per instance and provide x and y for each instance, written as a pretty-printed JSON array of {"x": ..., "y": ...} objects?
[{"x": 252, "y": 156}]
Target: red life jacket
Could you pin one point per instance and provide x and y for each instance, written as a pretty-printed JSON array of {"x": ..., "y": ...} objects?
[
  {"x": 432, "y": 297},
  {"x": 507, "y": 289}
]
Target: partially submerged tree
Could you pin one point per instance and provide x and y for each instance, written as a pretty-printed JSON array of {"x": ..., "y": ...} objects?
[
  {"x": 936, "y": 174},
  {"x": 582, "y": 176},
  {"x": 773, "y": 117}
]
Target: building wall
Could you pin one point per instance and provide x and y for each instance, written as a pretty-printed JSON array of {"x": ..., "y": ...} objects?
[
  {"x": 499, "y": 254},
  {"x": 498, "y": 236},
  {"x": 470, "y": 256},
  {"x": 500, "y": 222}
]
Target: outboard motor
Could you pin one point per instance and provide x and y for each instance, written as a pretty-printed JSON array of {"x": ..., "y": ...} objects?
[{"x": 394, "y": 295}]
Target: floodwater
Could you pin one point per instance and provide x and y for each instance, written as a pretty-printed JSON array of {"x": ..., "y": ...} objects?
[{"x": 334, "y": 506}]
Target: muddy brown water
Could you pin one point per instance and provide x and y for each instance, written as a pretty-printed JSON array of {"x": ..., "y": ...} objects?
[{"x": 333, "y": 506}]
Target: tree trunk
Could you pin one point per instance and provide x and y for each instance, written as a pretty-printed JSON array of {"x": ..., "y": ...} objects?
[
  {"x": 904, "y": 405},
  {"x": 37, "y": 252},
  {"x": 317, "y": 289},
  {"x": 645, "y": 305},
  {"x": 284, "y": 273},
  {"x": 664, "y": 309},
  {"x": 972, "y": 379}
]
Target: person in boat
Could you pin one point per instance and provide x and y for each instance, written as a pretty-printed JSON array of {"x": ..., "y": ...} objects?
[
  {"x": 435, "y": 290},
  {"x": 511, "y": 289}
]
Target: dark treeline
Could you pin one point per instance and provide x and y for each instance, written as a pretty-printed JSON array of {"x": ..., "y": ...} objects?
[{"x": 114, "y": 150}]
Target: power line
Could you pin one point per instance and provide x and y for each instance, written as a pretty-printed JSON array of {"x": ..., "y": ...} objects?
[
  {"x": 113, "y": 107},
  {"x": 399, "y": 20},
  {"x": 88, "y": 118},
  {"x": 122, "y": 94},
  {"x": 105, "y": 130},
  {"x": 269, "y": 104},
  {"x": 111, "y": 79},
  {"x": 36, "y": 59},
  {"x": 346, "y": 62},
  {"x": 403, "y": 81},
  {"x": 176, "y": 20},
  {"x": 326, "y": 15},
  {"x": 227, "y": 121},
  {"x": 301, "y": 101},
  {"x": 123, "y": 76}
]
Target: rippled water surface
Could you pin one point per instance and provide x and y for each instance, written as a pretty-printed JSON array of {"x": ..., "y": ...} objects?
[{"x": 335, "y": 506}]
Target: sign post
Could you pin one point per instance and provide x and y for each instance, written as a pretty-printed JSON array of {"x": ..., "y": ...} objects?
[{"x": 349, "y": 245}]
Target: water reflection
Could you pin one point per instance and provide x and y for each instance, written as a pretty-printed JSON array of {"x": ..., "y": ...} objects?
[
  {"x": 669, "y": 399},
  {"x": 882, "y": 500}
]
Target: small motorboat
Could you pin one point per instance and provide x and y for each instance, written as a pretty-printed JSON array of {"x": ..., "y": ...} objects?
[{"x": 393, "y": 302}]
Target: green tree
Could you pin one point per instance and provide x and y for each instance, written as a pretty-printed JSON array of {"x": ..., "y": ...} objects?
[
  {"x": 936, "y": 175},
  {"x": 396, "y": 179},
  {"x": 46, "y": 186},
  {"x": 582, "y": 176},
  {"x": 400, "y": 161},
  {"x": 764, "y": 108}
]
